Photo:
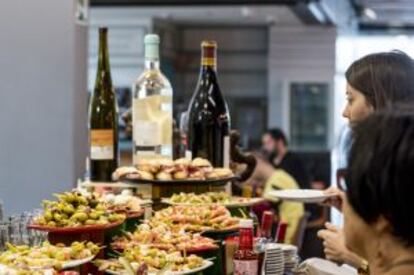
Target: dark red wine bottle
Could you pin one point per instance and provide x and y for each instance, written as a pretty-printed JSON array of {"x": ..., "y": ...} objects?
[{"x": 208, "y": 114}]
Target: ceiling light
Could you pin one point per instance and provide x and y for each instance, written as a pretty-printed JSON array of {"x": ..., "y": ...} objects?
[
  {"x": 370, "y": 13},
  {"x": 246, "y": 12}
]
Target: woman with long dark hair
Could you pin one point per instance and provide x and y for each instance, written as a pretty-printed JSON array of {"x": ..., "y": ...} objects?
[{"x": 376, "y": 82}]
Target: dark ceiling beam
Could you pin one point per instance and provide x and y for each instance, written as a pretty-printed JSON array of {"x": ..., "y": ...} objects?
[
  {"x": 385, "y": 28},
  {"x": 113, "y": 3},
  {"x": 308, "y": 11},
  {"x": 312, "y": 12},
  {"x": 357, "y": 6}
]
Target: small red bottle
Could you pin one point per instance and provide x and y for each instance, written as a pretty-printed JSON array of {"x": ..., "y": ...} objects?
[
  {"x": 267, "y": 225},
  {"x": 281, "y": 232},
  {"x": 245, "y": 259}
]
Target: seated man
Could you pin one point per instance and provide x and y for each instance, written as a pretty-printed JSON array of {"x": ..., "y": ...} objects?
[
  {"x": 276, "y": 179},
  {"x": 276, "y": 146}
]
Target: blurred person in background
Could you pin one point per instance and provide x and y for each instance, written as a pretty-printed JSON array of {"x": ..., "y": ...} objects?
[
  {"x": 376, "y": 82},
  {"x": 268, "y": 178},
  {"x": 275, "y": 146}
]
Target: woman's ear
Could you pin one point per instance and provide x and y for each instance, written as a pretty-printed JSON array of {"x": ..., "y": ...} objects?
[
  {"x": 371, "y": 108},
  {"x": 382, "y": 225}
]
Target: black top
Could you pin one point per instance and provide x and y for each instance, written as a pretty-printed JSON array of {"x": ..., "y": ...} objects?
[{"x": 294, "y": 166}]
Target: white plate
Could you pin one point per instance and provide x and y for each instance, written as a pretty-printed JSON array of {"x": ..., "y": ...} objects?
[
  {"x": 282, "y": 246},
  {"x": 325, "y": 267},
  {"x": 75, "y": 263},
  {"x": 68, "y": 264},
  {"x": 249, "y": 202},
  {"x": 206, "y": 264},
  {"x": 301, "y": 195},
  {"x": 5, "y": 270}
]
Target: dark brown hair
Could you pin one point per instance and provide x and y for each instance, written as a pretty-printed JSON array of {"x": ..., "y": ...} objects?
[
  {"x": 380, "y": 174},
  {"x": 383, "y": 78},
  {"x": 277, "y": 134}
]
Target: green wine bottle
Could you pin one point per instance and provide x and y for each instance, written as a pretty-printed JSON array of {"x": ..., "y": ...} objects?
[{"x": 103, "y": 118}]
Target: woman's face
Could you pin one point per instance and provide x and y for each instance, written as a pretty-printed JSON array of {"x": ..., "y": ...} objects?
[
  {"x": 358, "y": 234},
  {"x": 357, "y": 107}
]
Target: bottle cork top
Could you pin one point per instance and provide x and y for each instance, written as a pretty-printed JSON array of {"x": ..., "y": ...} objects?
[
  {"x": 151, "y": 39},
  {"x": 246, "y": 223},
  {"x": 209, "y": 44},
  {"x": 152, "y": 42}
]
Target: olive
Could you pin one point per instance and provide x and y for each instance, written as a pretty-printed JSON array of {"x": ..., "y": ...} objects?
[
  {"x": 48, "y": 215},
  {"x": 60, "y": 197},
  {"x": 93, "y": 215},
  {"x": 57, "y": 217},
  {"x": 70, "y": 197},
  {"x": 41, "y": 220},
  {"x": 93, "y": 203},
  {"x": 100, "y": 207},
  {"x": 77, "y": 246},
  {"x": 69, "y": 209},
  {"x": 100, "y": 213},
  {"x": 90, "y": 222},
  {"x": 80, "y": 216},
  {"x": 82, "y": 200},
  {"x": 60, "y": 255},
  {"x": 115, "y": 217},
  {"x": 63, "y": 222},
  {"x": 102, "y": 220}
]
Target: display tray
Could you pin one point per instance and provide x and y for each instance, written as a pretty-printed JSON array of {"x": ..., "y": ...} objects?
[
  {"x": 199, "y": 249},
  {"x": 75, "y": 263},
  {"x": 65, "y": 265},
  {"x": 6, "y": 270},
  {"x": 133, "y": 214},
  {"x": 234, "y": 204},
  {"x": 75, "y": 230},
  {"x": 221, "y": 231},
  {"x": 206, "y": 264},
  {"x": 220, "y": 181}
]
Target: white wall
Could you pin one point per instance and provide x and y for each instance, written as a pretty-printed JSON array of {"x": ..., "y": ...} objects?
[
  {"x": 241, "y": 60},
  {"x": 43, "y": 101},
  {"x": 126, "y": 33},
  {"x": 298, "y": 54}
]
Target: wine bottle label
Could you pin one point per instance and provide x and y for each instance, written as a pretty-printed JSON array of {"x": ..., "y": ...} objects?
[
  {"x": 166, "y": 104},
  {"x": 102, "y": 144},
  {"x": 208, "y": 55},
  {"x": 147, "y": 134},
  {"x": 188, "y": 155},
  {"x": 246, "y": 267},
  {"x": 145, "y": 191},
  {"x": 208, "y": 61},
  {"x": 152, "y": 130}
]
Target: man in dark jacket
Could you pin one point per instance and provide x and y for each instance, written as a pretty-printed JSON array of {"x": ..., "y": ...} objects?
[{"x": 275, "y": 145}]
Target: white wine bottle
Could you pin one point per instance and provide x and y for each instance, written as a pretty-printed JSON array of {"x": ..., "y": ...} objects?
[{"x": 152, "y": 107}]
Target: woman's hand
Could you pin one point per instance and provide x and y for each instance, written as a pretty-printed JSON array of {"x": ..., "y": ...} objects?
[
  {"x": 335, "y": 248},
  {"x": 335, "y": 199}
]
